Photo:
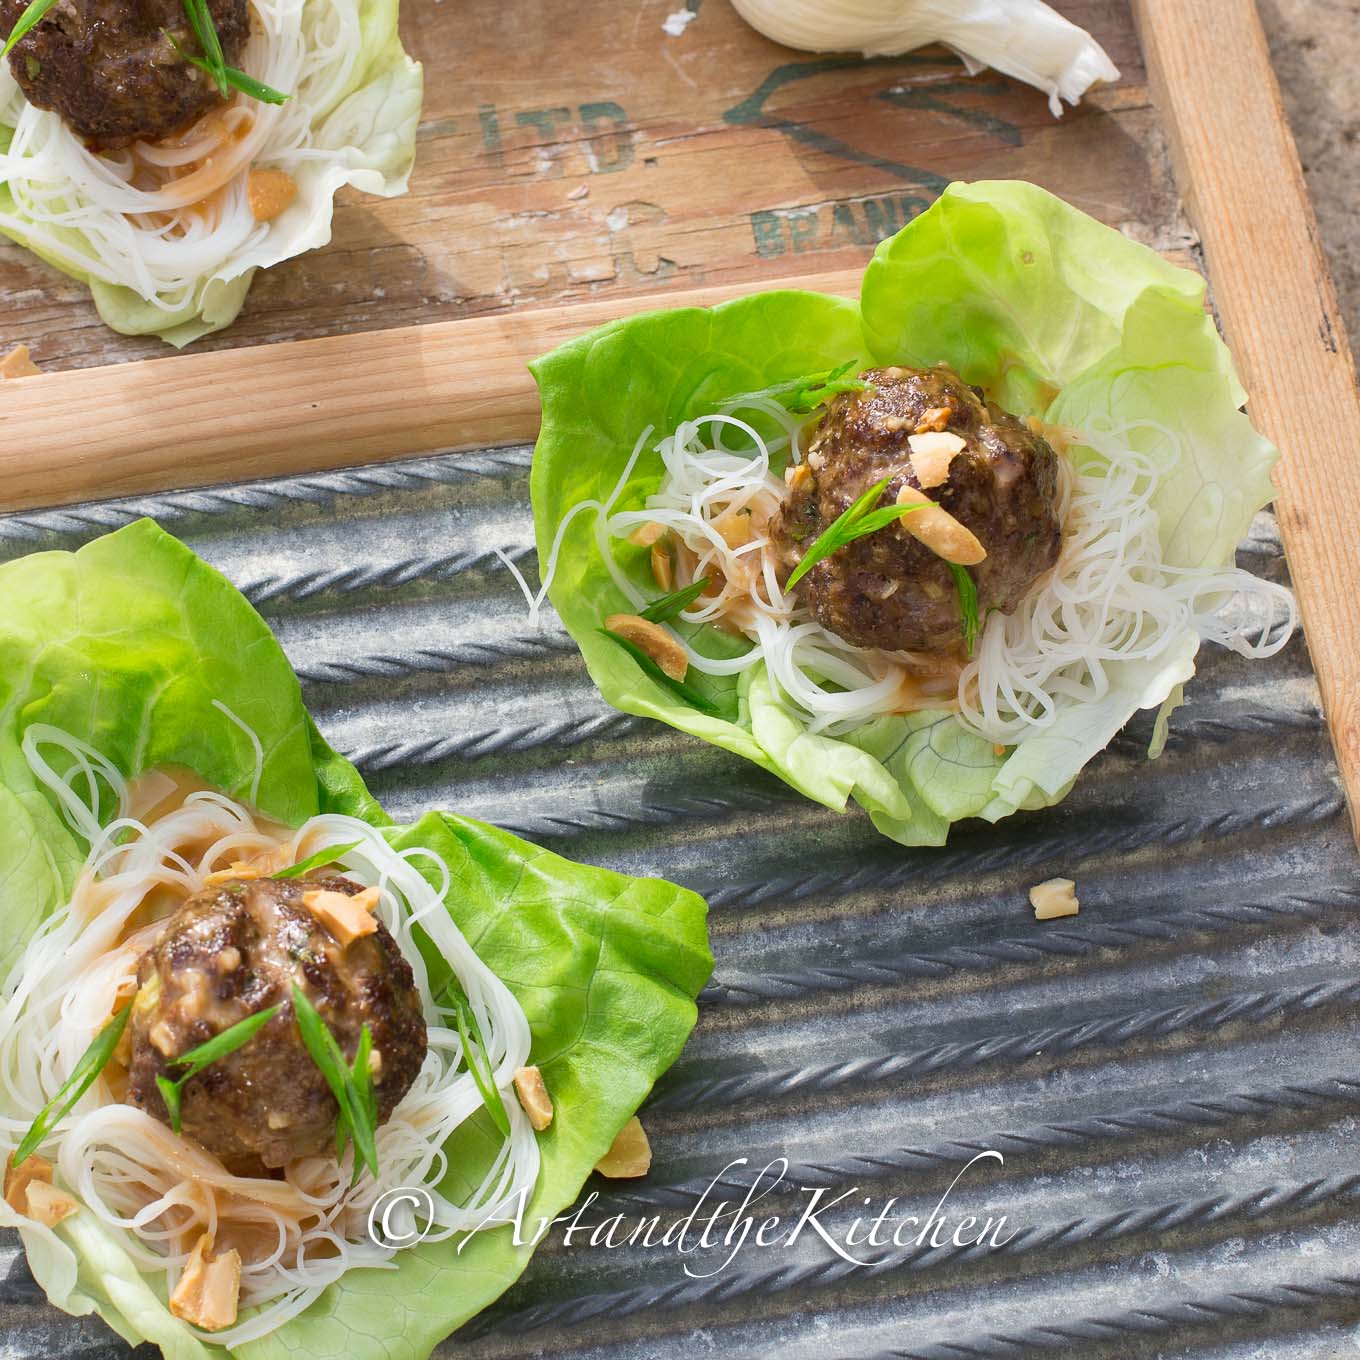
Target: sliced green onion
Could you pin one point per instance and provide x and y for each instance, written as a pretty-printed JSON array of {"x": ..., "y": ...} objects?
[
  {"x": 686, "y": 692},
  {"x": 92, "y": 1063},
  {"x": 170, "y": 1093},
  {"x": 218, "y": 1047},
  {"x": 317, "y": 861},
  {"x": 474, "y": 1051},
  {"x": 968, "y": 605},
  {"x": 860, "y": 520},
  {"x": 356, "y": 1113},
  {"x": 224, "y": 1044},
  {"x": 806, "y": 393},
  {"x": 668, "y": 606},
  {"x": 201, "y": 21},
  {"x": 248, "y": 85},
  {"x": 26, "y": 22}
]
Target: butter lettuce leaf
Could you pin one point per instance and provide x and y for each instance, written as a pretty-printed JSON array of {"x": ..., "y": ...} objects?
[
  {"x": 126, "y": 644},
  {"x": 1058, "y": 317}
]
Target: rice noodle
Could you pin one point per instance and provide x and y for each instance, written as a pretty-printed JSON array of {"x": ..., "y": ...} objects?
[
  {"x": 158, "y": 1192},
  {"x": 1109, "y": 598},
  {"x": 162, "y": 218}
]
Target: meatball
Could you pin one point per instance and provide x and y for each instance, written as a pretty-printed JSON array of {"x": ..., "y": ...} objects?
[
  {"x": 887, "y": 589},
  {"x": 237, "y": 949},
  {"x": 108, "y": 69}
]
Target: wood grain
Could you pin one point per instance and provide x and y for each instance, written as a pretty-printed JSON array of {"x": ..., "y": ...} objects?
[
  {"x": 312, "y": 405},
  {"x": 1212, "y": 79},
  {"x": 579, "y": 152}
]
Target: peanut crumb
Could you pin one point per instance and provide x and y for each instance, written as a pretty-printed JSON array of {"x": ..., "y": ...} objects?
[
  {"x": 629, "y": 1156},
  {"x": 663, "y": 569},
  {"x": 1054, "y": 897},
  {"x": 18, "y": 364},
  {"x": 796, "y": 474},
  {"x": 209, "y": 1288},
  {"x": 47, "y": 1205},
  {"x": 653, "y": 639},
  {"x": 347, "y": 918},
  {"x": 533, "y": 1096},
  {"x": 937, "y": 418},
  {"x": 18, "y": 1178},
  {"x": 647, "y": 534},
  {"x": 238, "y": 870}
]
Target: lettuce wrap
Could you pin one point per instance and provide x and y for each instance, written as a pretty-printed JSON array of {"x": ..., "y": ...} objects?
[
  {"x": 1057, "y": 317},
  {"x": 351, "y": 119},
  {"x": 126, "y": 644}
]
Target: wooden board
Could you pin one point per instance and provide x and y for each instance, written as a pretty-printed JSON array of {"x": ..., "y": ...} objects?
[
  {"x": 713, "y": 158},
  {"x": 575, "y": 167}
]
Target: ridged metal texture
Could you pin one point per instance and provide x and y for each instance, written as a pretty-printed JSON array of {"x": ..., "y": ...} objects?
[{"x": 1170, "y": 1076}]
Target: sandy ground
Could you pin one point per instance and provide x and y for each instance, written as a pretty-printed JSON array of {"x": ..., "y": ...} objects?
[{"x": 1316, "y": 46}]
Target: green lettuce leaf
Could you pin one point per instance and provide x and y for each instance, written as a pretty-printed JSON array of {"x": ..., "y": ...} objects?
[
  {"x": 367, "y": 124},
  {"x": 1056, "y": 316},
  {"x": 126, "y": 644}
]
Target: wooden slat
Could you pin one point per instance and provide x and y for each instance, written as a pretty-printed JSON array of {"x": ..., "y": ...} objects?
[
  {"x": 311, "y": 405},
  {"x": 1244, "y": 190},
  {"x": 570, "y": 153}
]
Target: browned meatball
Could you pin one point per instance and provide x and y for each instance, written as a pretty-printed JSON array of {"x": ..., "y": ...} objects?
[
  {"x": 237, "y": 949},
  {"x": 887, "y": 589},
  {"x": 107, "y": 68}
]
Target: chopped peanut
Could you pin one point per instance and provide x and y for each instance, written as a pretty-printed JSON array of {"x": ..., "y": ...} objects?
[
  {"x": 796, "y": 474},
  {"x": 17, "y": 364},
  {"x": 47, "y": 1205},
  {"x": 939, "y": 530},
  {"x": 533, "y": 1095},
  {"x": 653, "y": 639},
  {"x": 647, "y": 534},
  {"x": 1056, "y": 897},
  {"x": 937, "y": 418},
  {"x": 32, "y": 1170},
  {"x": 895, "y": 423},
  {"x": 209, "y": 1288},
  {"x": 663, "y": 569},
  {"x": 931, "y": 455},
  {"x": 347, "y": 918},
  {"x": 238, "y": 870},
  {"x": 630, "y": 1155},
  {"x": 269, "y": 192}
]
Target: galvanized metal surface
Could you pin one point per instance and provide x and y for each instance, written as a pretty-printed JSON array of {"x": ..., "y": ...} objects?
[{"x": 1169, "y": 1076}]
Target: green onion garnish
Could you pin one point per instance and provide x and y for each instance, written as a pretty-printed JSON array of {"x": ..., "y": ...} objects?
[
  {"x": 804, "y": 394},
  {"x": 358, "y": 1111},
  {"x": 92, "y": 1063},
  {"x": 201, "y": 21},
  {"x": 317, "y": 861},
  {"x": 968, "y": 605},
  {"x": 668, "y": 606},
  {"x": 248, "y": 85},
  {"x": 218, "y": 1047},
  {"x": 860, "y": 520},
  {"x": 686, "y": 692},
  {"x": 474, "y": 1052},
  {"x": 27, "y": 21}
]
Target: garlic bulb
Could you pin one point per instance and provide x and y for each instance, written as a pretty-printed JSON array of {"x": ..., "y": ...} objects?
[{"x": 1023, "y": 38}]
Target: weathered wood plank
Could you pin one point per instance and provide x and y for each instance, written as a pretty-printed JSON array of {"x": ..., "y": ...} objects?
[
  {"x": 1245, "y": 191},
  {"x": 710, "y": 158}
]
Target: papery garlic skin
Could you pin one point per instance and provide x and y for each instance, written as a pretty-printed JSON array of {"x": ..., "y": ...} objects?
[{"x": 1021, "y": 38}]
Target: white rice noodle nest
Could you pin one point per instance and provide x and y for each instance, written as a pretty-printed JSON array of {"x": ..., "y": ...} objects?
[
  {"x": 1110, "y": 597},
  {"x": 155, "y": 1192},
  {"x": 163, "y": 232}
]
